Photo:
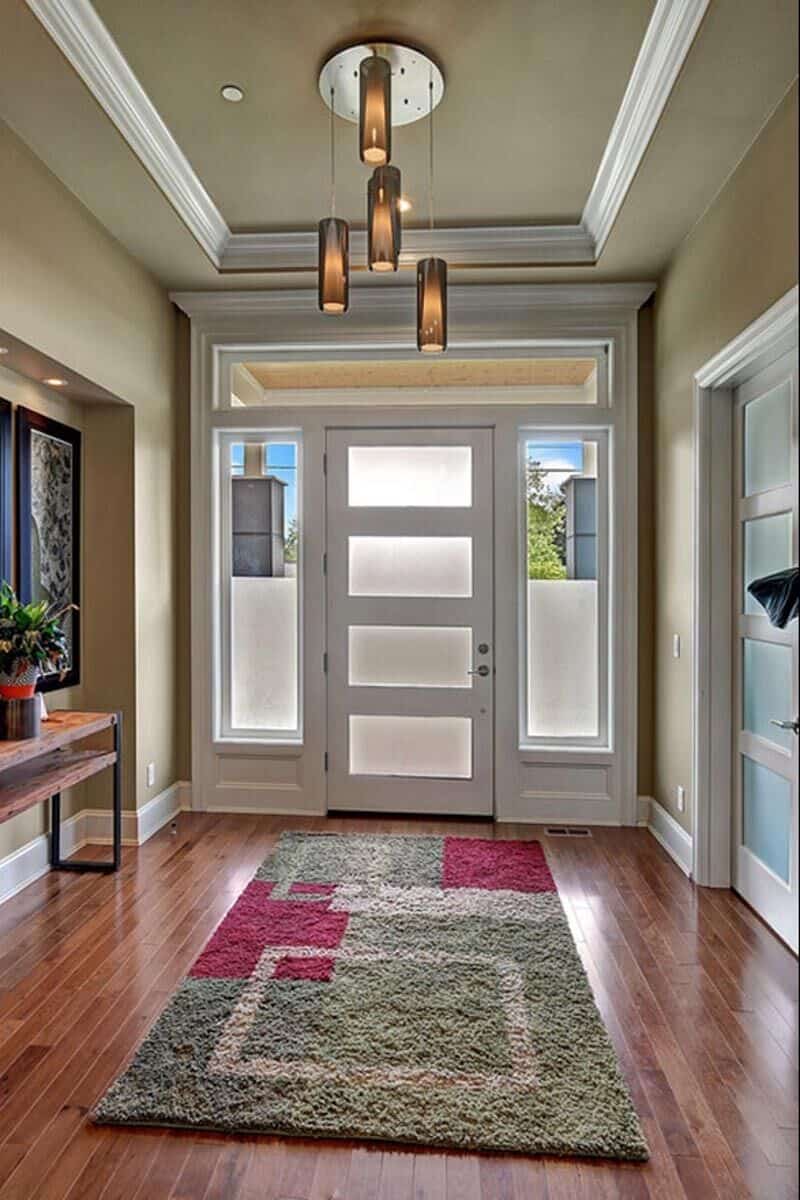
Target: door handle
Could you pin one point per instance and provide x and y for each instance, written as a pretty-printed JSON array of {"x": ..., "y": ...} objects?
[
  {"x": 794, "y": 726},
  {"x": 481, "y": 670}
]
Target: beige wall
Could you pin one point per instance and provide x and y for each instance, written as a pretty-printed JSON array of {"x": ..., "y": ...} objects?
[
  {"x": 70, "y": 290},
  {"x": 739, "y": 259}
]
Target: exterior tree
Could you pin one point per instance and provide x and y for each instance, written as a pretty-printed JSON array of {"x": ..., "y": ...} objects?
[{"x": 546, "y": 526}]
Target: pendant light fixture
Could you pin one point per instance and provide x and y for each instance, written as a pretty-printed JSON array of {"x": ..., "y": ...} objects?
[
  {"x": 431, "y": 275},
  {"x": 375, "y": 111},
  {"x": 383, "y": 219},
  {"x": 333, "y": 274}
]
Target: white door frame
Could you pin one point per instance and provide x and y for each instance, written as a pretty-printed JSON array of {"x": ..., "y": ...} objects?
[
  {"x": 591, "y": 785},
  {"x": 712, "y": 683}
]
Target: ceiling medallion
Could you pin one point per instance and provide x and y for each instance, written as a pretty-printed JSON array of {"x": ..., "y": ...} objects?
[{"x": 379, "y": 86}]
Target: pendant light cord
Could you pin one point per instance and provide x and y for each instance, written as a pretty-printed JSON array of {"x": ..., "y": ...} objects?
[
  {"x": 333, "y": 161},
  {"x": 430, "y": 150}
]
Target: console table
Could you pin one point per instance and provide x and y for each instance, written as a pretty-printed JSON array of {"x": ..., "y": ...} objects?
[{"x": 38, "y": 769}]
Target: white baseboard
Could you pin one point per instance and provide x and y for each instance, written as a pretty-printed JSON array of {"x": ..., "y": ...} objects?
[
  {"x": 91, "y": 826},
  {"x": 238, "y": 810},
  {"x": 32, "y": 860},
  {"x": 671, "y": 836}
]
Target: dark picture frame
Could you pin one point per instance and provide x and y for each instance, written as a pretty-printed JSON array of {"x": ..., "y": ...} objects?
[
  {"x": 6, "y": 498},
  {"x": 48, "y": 459}
]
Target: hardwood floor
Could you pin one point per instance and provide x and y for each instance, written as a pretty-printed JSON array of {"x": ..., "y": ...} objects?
[{"x": 699, "y": 998}]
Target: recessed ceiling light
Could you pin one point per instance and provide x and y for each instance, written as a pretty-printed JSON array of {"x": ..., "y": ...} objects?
[
  {"x": 55, "y": 382},
  {"x": 404, "y": 204},
  {"x": 231, "y": 92}
]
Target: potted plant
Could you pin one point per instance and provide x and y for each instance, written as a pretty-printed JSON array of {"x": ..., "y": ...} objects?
[{"x": 31, "y": 637}]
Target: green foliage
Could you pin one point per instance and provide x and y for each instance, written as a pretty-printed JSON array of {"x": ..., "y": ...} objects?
[
  {"x": 547, "y": 513},
  {"x": 544, "y": 560},
  {"x": 290, "y": 545},
  {"x": 30, "y": 634}
]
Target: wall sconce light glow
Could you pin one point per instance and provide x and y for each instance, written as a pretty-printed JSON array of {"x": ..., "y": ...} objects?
[
  {"x": 404, "y": 204},
  {"x": 55, "y": 382},
  {"x": 232, "y": 93},
  {"x": 3, "y": 349}
]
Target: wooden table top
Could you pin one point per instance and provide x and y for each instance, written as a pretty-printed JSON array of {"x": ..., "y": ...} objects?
[{"x": 60, "y": 729}]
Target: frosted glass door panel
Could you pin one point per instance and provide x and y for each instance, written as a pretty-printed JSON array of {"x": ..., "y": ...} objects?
[
  {"x": 767, "y": 816},
  {"x": 767, "y": 548},
  {"x": 768, "y": 440},
  {"x": 410, "y": 476},
  {"x": 767, "y": 690},
  {"x": 415, "y": 747},
  {"x": 409, "y": 656},
  {"x": 410, "y": 566}
]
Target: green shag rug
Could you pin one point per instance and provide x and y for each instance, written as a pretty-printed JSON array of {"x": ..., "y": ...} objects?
[{"x": 411, "y": 989}]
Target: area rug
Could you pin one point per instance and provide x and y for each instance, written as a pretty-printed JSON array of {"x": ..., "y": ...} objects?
[{"x": 411, "y": 989}]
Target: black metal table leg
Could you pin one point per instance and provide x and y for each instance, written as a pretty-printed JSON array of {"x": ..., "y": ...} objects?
[
  {"x": 55, "y": 829},
  {"x": 73, "y": 864}
]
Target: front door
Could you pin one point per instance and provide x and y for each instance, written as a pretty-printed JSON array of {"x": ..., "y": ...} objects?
[
  {"x": 409, "y": 572},
  {"x": 766, "y": 656}
]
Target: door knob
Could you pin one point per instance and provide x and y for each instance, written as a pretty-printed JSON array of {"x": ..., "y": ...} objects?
[
  {"x": 481, "y": 670},
  {"x": 794, "y": 726}
]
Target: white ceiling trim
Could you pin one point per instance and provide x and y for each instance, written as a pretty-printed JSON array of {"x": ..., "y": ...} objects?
[
  {"x": 479, "y": 246},
  {"x": 82, "y": 37},
  {"x": 666, "y": 45},
  {"x": 512, "y": 298},
  {"x": 84, "y": 40}
]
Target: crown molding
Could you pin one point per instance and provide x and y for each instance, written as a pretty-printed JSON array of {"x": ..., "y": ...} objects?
[
  {"x": 84, "y": 40},
  {"x": 666, "y": 45},
  {"x": 401, "y": 300},
  {"x": 82, "y": 37},
  {"x": 472, "y": 246}
]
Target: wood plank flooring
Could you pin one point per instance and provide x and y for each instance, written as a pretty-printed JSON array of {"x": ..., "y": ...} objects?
[{"x": 699, "y": 998}]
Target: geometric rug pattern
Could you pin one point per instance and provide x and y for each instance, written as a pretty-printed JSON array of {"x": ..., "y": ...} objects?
[{"x": 409, "y": 989}]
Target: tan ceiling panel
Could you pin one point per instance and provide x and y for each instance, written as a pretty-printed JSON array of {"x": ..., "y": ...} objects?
[
  {"x": 532, "y": 89},
  {"x": 535, "y": 138},
  {"x": 509, "y": 372}
]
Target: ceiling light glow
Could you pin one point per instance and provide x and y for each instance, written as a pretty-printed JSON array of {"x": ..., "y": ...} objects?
[
  {"x": 54, "y": 381},
  {"x": 231, "y": 92}
]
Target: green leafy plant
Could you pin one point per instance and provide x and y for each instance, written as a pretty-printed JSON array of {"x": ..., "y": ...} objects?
[
  {"x": 31, "y": 634},
  {"x": 290, "y": 545},
  {"x": 546, "y": 526}
]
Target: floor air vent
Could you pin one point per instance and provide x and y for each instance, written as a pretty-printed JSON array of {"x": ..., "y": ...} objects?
[{"x": 568, "y": 831}]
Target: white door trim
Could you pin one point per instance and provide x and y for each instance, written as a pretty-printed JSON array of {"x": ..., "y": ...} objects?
[
  {"x": 712, "y": 684},
  {"x": 600, "y": 784}
]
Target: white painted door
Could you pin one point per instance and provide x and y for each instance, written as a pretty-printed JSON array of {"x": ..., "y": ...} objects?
[
  {"x": 410, "y": 620},
  {"x": 765, "y": 841}
]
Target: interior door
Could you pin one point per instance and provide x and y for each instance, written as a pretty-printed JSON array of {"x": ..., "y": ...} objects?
[
  {"x": 410, "y": 620},
  {"x": 765, "y": 842}
]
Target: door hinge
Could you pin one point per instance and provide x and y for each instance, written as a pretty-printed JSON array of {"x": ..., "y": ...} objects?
[
  {"x": 325, "y": 464},
  {"x": 326, "y": 760},
  {"x": 325, "y": 663},
  {"x": 324, "y": 564}
]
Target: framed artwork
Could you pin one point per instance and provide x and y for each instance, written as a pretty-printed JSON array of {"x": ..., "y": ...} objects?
[
  {"x": 5, "y": 491},
  {"x": 48, "y": 526}
]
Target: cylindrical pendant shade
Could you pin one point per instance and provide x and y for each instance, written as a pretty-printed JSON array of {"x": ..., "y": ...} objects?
[
  {"x": 375, "y": 111},
  {"x": 334, "y": 265},
  {"x": 432, "y": 305},
  {"x": 383, "y": 219}
]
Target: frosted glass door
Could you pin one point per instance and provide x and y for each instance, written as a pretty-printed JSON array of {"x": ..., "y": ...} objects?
[
  {"x": 409, "y": 620},
  {"x": 765, "y": 655}
]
